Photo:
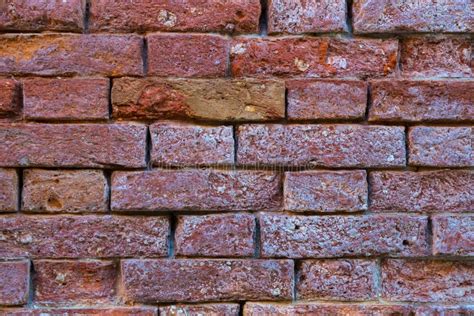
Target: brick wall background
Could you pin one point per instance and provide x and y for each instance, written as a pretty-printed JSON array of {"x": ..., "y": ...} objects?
[{"x": 236, "y": 157}]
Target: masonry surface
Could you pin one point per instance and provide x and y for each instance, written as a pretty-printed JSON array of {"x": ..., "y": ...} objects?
[{"x": 238, "y": 157}]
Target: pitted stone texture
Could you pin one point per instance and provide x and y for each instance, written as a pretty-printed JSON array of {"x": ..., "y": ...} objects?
[
  {"x": 75, "y": 311},
  {"x": 15, "y": 282},
  {"x": 199, "y": 280},
  {"x": 294, "y": 236},
  {"x": 430, "y": 310},
  {"x": 8, "y": 190},
  {"x": 215, "y": 309},
  {"x": 83, "y": 236},
  {"x": 324, "y": 309},
  {"x": 453, "y": 235},
  {"x": 423, "y": 191},
  {"x": 216, "y": 99},
  {"x": 9, "y": 97}
]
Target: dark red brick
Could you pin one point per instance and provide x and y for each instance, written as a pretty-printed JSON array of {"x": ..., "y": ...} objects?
[
  {"x": 9, "y": 97},
  {"x": 15, "y": 282},
  {"x": 324, "y": 309},
  {"x": 453, "y": 235},
  {"x": 225, "y": 309},
  {"x": 81, "y": 311},
  {"x": 8, "y": 190}
]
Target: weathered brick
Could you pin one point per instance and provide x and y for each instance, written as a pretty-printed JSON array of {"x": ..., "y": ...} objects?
[
  {"x": 313, "y": 16},
  {"x": 192, "y": 145},
  {"x": 65, "y": 99},
  {"x": 430, "y": 310},
  {"x": 9, "y": 97},
  {"x": 324, "y": 309},
  {"x": 296, "y": 236},
  {"x": 440, "y": 146},
  {"x": 216, "y": 99},
  {"x": 321, "y": 145},
  {"x": 326, "y": 99},
  {"x": 8, "y": 190},
  {"x": 313, "y": 57},
  {"x": 15, "y": 282},
  {"x": 195, "y": 190},
  {"x": 427, "y": 280},
  {"x": 453, "y": 235},
  {"x": 337, "y": 279},
  {"x": 64, "y": 191},
  {"x": 34, "y": 15},
  {"x": 326, "y": 191},
  {"x": 202, "y": 309},
  {"x": 72, "y": 145},
  {"x": 71, "y": 54},
  {"x": 223, "y": 235},
  {"x": 83, "y": 236},
  {"x": 223, "y": 279},
  {"x": 436, "y": 56},
  {"x": 187, "y": 55},
  {"x": 374, "y": 16},
  {"x": 74, "y": 282},
  {"x": 75, "y": 311},
  {"x": 422, "y": 100},
  {"x": 239, "y": 16},
  {"x": 424, "y": 191}
]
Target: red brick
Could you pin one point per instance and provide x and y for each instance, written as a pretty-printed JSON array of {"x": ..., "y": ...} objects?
[
  {"x": 372, "y": 16},
  {"x": 424, "y": 191},
  {"x": 326, "y": 99},
  {"x": 15, "y": 282},
  {"x": 348, "y": 279},
  {"x": 71, "y": 54},
  {"x": 313, "y": 57},
  {"x": 187, "y": 55},
  {"x": 440, "y": 146},
  {"x": 422, "y": 100},
  {"x": 203, "y": 309},
  {"x": 436, "y": 56},
  {"x": 427, "y": 280},
  {"x": 430, "y": 310},
  {"x": 223, "y": 235},
  {"x": 216, "y": 99},
  {"x": 311, "y": 16},
  {"x": 83, "y": 236},
  {"x": 206, "y": 280},
  {"x": 75, "y": 311},
  {"x": 65, "y": 99},
  {"x": 74, "y": 282},
  {"x": 321, "y": 145},
  {"x": 34, "y": 15},
  {"x": 9, "y": 97},
  {"x": 239, "y": 16},
  {"x": 72, "y": 145},
  {"x": 195, "y": 190},
  {"x": 8, "y": 190},
  {"x": 64, "y": 191},
  {"x": 324, "y": 309},
  {"x": 453, "y": 235},
  {"x": 293, "y": 236},
  {"x": 326, "y": 191},
  {"x": 192, "y": 145}
]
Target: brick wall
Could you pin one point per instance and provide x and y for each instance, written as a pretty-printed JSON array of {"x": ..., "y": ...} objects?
[{"x": 237, "y": 157}]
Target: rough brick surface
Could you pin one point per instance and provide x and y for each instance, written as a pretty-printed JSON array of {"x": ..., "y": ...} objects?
[
  {"x": 8, "y": 190},
  {"x": 453, "y": 235},
  {"x": 321, "y": 309},
  {"x": 15, "y": 282},
  {"x": 99, "y": 311},
  {"x": 183, "y": 279},
  {"x": 9, "y": 97},
  {"x": 203, "y": 309}
]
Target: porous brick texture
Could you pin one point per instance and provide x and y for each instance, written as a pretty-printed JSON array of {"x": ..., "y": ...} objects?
[{"x": 236, "y": 157}]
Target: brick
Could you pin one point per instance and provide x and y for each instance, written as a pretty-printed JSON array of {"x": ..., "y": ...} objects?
[
  {"x": 371, "y": 16},
  {"x": 65, "y": 99},
  {"x": 321, "y": 145},
  {"x": 187, "y": 55},
  {"x": 312, "y": 16},
  {"x": 436, "y": 56},
  {"x": 422, "y": 100},
  {"x": 8, "y": 190},
  {"x": 423, "y": 191},
  {"x": 9, "y": 97},
  {"x": 72, "y": 145},
  {"x": 64, "y": 191},
  {"x": 326, "y": 99},
  {"x": 453, "y": 235},
  {"x": 440, "y": 146},
  {"x": 71, "y": 54},
  {"x": 75, "y": 311},
  {"x": 312, "y": 57},
  {"x": 33, "y": 15},
  {"x": 195, "y": 190},
  {"x": 203, "y": 309},
  {"x": 429, "y": 310},
  {"x": 192, "y": 145},
  {"x": 427, "y": 280},
  {"x": 240, "y": 16},
  {"x": 83, "y": 236},
  {"x": 223, "y": 279},
  {"x": 293, "y": 236},
  {"x": 326, "y": 191},
  {"x": 74, "y": 282},
  {"x": 323, "y": 309},
  {"x": 348, "y": 279},
  {"x": 14, "y": 288},
  {"x": 223, "y": 235},
  {"x": 217, "y": 99}
]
